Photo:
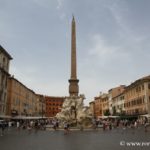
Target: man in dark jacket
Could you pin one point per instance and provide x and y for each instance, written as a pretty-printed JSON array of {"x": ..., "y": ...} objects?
[{"x": 2, "y": 127}]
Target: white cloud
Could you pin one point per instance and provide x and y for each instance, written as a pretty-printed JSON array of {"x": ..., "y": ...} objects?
[
  {"x": 128, "y": 35},
  {"x": 43, "y": 3},
  {"x": 100, "y": 47},
  {"x": 62, "y": 16},
  {"x": 59, "y": 4}
]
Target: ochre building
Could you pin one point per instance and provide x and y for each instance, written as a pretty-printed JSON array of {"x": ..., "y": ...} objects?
[
  {"x": 137, "y": 97},
  {"x": 41, "y": 107},
  {"x": 22, "y": 101},
  {"x": 101, "y": 105},
  {"x": 4, "y": 74}
]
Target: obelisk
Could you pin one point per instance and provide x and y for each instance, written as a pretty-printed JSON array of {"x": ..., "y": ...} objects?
[{"x": 73, "y": 81}]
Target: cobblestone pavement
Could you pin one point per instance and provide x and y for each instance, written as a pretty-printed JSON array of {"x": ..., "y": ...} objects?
[{"x": 117, "y": 139}]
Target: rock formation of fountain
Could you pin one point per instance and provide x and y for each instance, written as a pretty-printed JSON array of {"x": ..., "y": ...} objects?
[{"x": 74, "y": 112}]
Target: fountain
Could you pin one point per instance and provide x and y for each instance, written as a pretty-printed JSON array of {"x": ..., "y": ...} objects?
[
  {"x": 73, "y": 110},
  {"x": 75, "y": 113}
]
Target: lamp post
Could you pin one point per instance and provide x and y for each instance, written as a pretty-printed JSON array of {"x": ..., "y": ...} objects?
[
  {"x": 42, "y": 106},
  {"x": 42, "y": 100}
]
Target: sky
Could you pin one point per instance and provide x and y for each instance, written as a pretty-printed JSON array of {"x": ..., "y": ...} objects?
[{"x": 112, "y": 37}]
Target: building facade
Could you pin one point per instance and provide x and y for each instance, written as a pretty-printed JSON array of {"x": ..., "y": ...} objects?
[
  {"x": 92, "y": 107},
  {"x": 118, "y": 104},
  {"x": 53, "y": 105},
  {"x": 41, "y": 105},
  {"x": 22, "y": 101},
  {"x": 101, "y": 105},
  {"x": 131, "y": 100},
  {"x": 137, "y": 97},
  {"x": 4, "y": 74},
  {"x": 113, "y": 93},
  {"x": 98, "y": 107},
  {"x": 105, "y": 104}
]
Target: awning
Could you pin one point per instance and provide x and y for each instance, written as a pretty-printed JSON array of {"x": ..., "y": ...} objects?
[
  {"x": 28, "y": 117},
  {"x": 5, "y": 117},
  {"x": 105, "y": 117},
  {"x": 146, "y": 115}
]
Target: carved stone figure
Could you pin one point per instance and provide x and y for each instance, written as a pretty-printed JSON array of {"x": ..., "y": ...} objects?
[{"x": 74, "y": 112}]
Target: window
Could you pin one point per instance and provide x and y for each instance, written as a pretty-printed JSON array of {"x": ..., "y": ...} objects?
[
  {"x": 3, "y": 109},
  {"x": 2, "y": 79},
  {"x": 149, "y": 86},
  {"x": 129, "y": 104},
  {"x": 132, "y": 103},
  {"x": 143, "y": 100},
  {"x": 139, "y": 89},
  {"x": 4, "y": 60},
  {"x": 138, "y": 101},
  {"x": 135, "y": 102},
  {"x": 6, "y": 83}
]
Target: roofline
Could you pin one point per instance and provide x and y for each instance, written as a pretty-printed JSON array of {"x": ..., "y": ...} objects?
[
  {"x": 143, "y": 79},
  {"x": 4, "y": 51},
  {"x": 54, "y": 96},
  {"x": 122, "y": 93},
  {"x": 13, "y": 78}
]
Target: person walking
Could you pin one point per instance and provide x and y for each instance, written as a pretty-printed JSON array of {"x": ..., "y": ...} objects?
[
  {"x": 110, "y": 125},
  {"x": 2, "y": 125},
  {"x": 18, "y": 125},
  {"x": 104, "y": 126},
  {"x": 54, "y": 125},
  {"x": 66, "y": 128},
  {"x": 135, "y": 124},
  {"x": 9, "y": 125}
]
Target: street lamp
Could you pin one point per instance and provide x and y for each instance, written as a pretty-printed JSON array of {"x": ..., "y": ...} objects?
[{"x": 42, "y": 100}]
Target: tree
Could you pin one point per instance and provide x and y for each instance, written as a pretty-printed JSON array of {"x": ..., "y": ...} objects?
[
  {"x": 114, "y": 111},
  {"x": 107, "y": 112}
]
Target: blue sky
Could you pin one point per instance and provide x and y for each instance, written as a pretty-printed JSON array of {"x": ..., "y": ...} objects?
[{"x": 113, "y": 45}]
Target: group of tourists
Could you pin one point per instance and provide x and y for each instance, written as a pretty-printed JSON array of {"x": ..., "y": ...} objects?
[
  {"x": 22, "y": 125},
  {"x": 109, "y": 124},
  {"x": 31, "y": 125},
  {"x": 55, "y": 125},
  {"x": 105, "y": 124}
]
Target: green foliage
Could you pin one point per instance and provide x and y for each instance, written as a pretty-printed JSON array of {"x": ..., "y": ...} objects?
[{"x": 107, "y": 112}]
